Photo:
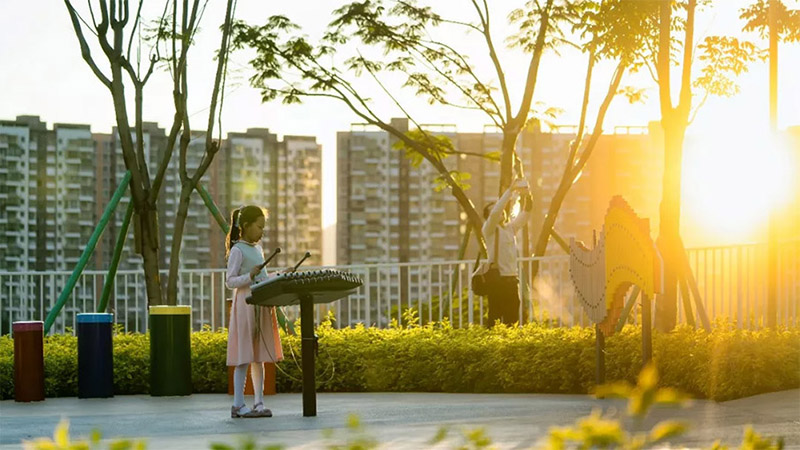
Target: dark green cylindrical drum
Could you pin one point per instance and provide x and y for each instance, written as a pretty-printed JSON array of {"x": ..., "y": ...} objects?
[
  {"x": 170, "y": 350},
  {"x": 95, "y": 355}
]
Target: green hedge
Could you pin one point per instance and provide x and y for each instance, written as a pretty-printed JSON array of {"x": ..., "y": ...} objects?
[{"x": 723, "y": 365}]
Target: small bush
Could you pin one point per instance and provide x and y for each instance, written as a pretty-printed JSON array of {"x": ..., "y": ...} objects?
[
  {"x": 131, "y": 363},
  {"x": 726, "y": 364},
  {"x": 6, "y": 367},
  {"x": 61, "y": 366},
  {"x": 209, "y": 351}
]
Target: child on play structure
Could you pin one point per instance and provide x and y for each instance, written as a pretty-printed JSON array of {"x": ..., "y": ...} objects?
[{"x": 253, "y": 330}]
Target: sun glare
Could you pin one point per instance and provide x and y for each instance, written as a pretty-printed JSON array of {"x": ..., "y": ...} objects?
[{"x": 732, "y": 179}]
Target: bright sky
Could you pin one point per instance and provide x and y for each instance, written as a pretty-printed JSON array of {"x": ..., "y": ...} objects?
[{"x": 43, "y": 74}]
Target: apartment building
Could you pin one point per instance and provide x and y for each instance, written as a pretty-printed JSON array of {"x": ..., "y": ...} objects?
[
  {"x": 374, "y": 225},
  {"x": 299, "y": 205},
  {"x": 283, "y": 176},
  {"x": 55, "y": 184},
  {"x": 47, "y": 187},
  {"x": 47, "y": 208}
]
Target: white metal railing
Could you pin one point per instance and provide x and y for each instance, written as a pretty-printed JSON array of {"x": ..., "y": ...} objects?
[{"x": 731, "y": 281}]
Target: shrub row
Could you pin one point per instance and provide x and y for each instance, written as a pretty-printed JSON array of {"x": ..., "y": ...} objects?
[{"x": 723, "y": 365}]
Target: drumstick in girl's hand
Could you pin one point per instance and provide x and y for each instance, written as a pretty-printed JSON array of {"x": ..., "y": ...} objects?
[
  {"x": 301, "y": 261},
  {"x": 274, "y": 252}
]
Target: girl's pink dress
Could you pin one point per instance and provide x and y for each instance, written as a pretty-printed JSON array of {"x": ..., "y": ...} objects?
[{"x": 247, "y": 342}]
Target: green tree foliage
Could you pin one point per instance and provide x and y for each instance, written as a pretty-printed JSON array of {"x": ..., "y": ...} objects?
[
  {"x": 397, "y": 45},
  {"x": 756, "y": 17}
]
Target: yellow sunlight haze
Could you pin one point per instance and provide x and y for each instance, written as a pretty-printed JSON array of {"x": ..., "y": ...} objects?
[{"x": 733, "y": 177}]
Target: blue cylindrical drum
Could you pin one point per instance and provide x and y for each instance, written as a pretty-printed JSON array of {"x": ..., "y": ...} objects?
[{"x": 95, "y": 356}]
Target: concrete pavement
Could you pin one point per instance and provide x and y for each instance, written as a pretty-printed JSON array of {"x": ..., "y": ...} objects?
[{"x": 396, "y": 420}]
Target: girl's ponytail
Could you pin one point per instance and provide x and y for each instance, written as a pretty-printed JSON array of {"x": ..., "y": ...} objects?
[{"x": 233, "y": 233}]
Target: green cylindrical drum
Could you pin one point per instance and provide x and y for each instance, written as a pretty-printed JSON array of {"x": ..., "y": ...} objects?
[{"x": 170, "y": 350}]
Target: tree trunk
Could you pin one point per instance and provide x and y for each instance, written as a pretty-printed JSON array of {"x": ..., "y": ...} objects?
[
  {"x": 772, "y": 238},
  {"x": 674, "y": 121},
  {"x": 572, "y": 168},
  {"x": 145, "y": 212},
  {"x": 669, "y": 223},
  {"x": 177, "y": 238},
  {"x": 152, "y": 277},
  {"x": 507, "y": 157}
]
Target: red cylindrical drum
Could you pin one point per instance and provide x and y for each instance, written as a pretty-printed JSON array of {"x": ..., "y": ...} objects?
[{"x": 28, "y": 361}]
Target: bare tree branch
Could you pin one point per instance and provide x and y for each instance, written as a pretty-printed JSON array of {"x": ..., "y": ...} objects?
[
  {"x": 102, "y": 30},
  {"x": 221, "y": 63},
  {"x": 663, "y": 63},
  {"x": 479, "y": 155},
  {"x": 495, "y": 60},
  {"x": 576, "y": 143},
  {"x": 463, "y": 24},
  {"x": 153, "y": 61},
  {"x": 533, "y": 69},
  {"x": 85, "y": 51},
  {"x": 133, "y": 30},
  {"x": 685, "y": 102},
  {"x": 175, "y": 60},
  {"x": 91, "y": 12},
  {"x": 125, "y": 14},
  {"x": 601, "y": 114},
  {"x": 699, "y": 106}
]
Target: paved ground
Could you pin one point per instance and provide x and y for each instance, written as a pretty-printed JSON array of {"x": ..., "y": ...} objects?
[{"x": 397, "y": 420}]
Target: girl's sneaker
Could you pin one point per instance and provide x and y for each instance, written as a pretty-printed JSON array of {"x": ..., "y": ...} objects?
[
  {"x": 259, "y": 411},
  {"x": 240, "y": 411}
]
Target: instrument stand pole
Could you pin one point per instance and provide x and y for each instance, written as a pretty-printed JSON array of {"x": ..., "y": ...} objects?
[
  {"x": 647, "y": 330},
  {"x": 600, "y": 356},
  {"x": 307, "y": 350}
]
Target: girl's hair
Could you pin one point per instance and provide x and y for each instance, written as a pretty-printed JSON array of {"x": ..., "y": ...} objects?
[{"x": 239, "y": 218}]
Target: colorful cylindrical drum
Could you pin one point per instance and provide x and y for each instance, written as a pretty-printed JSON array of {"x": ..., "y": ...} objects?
[
  {"x": 170, "y": 350},
  {"x": 28, "y": 361},
  {"x": 95, "y": 355}
]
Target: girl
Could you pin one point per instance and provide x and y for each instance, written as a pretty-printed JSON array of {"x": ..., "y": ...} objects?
[
  {"x": 253, "y": 330},
  {"x": 501, "y": 233}
]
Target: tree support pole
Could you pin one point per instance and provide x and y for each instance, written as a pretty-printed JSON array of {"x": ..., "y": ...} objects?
[
  {"x": 685, "y": 272},
  {"x": 212, "y": 207},
  {"x": 687, "y": 301},
  {"x": 87, "y": 252},
  {"x": 559, "y": 240},
  {"x": 698, "y": 301},
  {"x": 623, "y": 318},
  {"x": 462, "y": 251},
  {"x": 112, "y": 271}
]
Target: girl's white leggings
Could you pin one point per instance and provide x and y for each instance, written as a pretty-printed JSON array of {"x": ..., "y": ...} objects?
[{"x": 239, "y": 377}]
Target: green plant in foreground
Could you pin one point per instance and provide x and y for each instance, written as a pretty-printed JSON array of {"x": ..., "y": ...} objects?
[
  {"x": 596, "y": 431},
  {"x": 245, "y": 443},
  {"x": 356, "y": 436},
  {"x": 61, "y": 441},
  {"x": 588, "y": 432}
]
